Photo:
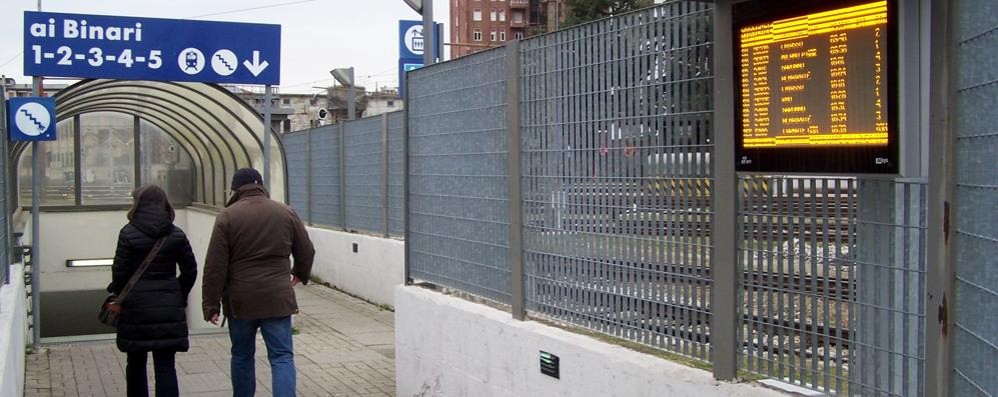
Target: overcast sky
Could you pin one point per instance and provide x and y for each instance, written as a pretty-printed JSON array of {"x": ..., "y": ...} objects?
[{"x": 316, "y": 35}]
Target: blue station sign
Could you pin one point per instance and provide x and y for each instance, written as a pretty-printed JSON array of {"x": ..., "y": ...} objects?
[
  {"x": 31, "y": 119},
  {"x": 132, "y": 48}
]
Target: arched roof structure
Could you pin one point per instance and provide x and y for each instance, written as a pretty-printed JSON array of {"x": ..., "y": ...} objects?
[{"x": 219, "y": 131}]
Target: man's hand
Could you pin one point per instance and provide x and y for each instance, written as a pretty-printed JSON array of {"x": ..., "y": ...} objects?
[
  {"x": 294, "y": 280},
  {"x": 214, "y": 319}
]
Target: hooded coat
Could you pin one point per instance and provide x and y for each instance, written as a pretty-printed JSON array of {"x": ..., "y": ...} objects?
[{"x": 153, "y": 315}]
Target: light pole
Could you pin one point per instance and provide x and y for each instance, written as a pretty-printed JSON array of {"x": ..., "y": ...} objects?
[
  {"x": 345, "y": 77},
  {"x": 425, "y": 7}
]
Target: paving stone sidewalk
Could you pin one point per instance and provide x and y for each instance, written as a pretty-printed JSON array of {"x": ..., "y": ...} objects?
[{"x": 344, "y": 348}]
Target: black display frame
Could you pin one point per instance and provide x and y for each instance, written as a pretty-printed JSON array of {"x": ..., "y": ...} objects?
[{"x": 872, "y": 159}]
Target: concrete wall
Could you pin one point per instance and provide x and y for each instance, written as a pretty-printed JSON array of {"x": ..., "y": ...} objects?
[
  {"x": 13, "y": 333},
  {"x": 445, "y": 346},
  {"x": 372, "y": 272},
  {"x": 197, "y": 224},
  {"x": 76, "y": 235}
]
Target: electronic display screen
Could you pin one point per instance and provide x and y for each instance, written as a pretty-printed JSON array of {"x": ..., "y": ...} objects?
[{"x": 815, "y": 87}]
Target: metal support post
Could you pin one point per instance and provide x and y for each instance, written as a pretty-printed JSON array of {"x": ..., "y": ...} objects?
[
  {"x": 384, "y": 172},
  {"x": 351, "y": 106},
  {"x": 308, "y": 175},
  {"x": 406, "y": 265},
  {"x": 429, "y": 34},
  {"x": 343, "y": 176},
  {"x": 137, "y": 152},
  {"x": 36, "y": 251},
  {"x": 267, "y": 95},
  {"x": 940, "y": 271},
  {"x": 8, "y": 241},
  {"x": 724, "y": 199},
  {"x": 514, "y": 175}
]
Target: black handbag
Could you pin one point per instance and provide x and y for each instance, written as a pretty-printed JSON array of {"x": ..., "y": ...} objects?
[{"x": 110, "y": 310}]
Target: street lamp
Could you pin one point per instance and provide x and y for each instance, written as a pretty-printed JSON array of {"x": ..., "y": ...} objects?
[
  {"x": 425, "y": 7},
  {"x": 345, "y": 77}
]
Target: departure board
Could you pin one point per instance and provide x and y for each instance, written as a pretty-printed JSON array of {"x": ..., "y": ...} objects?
[{"x": 816, "y": 80}]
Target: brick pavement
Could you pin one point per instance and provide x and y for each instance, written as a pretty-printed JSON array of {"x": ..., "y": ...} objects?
[{"x": 345, "y": 348}]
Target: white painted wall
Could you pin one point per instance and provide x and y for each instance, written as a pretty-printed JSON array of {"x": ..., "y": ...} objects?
[
  {"x": 197, "y": 224},
  {"x": 76, "y": 235},
  {"x": 445, "y": 346},
  {"x": 13, "y": 333},
  {"x": 372, "y": 272}
]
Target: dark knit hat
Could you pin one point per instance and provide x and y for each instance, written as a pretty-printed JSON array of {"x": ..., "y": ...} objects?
[{"x": 245, "y": 176}]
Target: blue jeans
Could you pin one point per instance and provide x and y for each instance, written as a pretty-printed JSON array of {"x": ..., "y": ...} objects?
[{"x": 280, "y": 352}]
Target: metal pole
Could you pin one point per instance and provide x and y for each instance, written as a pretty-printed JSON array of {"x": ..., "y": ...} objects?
[
  {"x": 940, "y": 270},
  {"x": 351, "y": 106},
  {"x": 36, "y": 335},
  {"x": 267, "y": 94},
  {"x": 343, "y": 175},
  {"x": 308, "y": 174},
  {"x": 5, "y": 266},
  {"x": 517, "y": 273},
  {"x": 406, "y": 265},
  {"x": 429, "y": 34},
  {"x": 384, "y": 173},
  {"x": 724, "y": 199}
]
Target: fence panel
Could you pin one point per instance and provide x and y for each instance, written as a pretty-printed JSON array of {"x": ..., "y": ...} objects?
[
  {"x": 975, "y": 332},
  {"x": 396, "y": 162},
  {"x": 832, "y": 277},
  {"x": 458, "y": 195},
  {"x": 616, "y": 120},
  {"x": 296, "y": 157},
  {"x": 325, "y": 153},
  {"x": 364, "y": 175}
]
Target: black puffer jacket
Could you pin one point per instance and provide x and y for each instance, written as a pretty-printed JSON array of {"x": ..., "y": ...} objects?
[{"x": 153, "y": 316}]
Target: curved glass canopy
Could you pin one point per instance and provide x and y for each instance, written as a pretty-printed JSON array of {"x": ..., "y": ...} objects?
[{"x": 219, "y": 132}]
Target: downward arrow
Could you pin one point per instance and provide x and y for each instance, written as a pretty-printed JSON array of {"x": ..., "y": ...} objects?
[{"x": 256, "y": 67}]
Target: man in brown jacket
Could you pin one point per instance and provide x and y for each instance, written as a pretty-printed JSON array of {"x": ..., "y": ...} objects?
[{"x": 248, "y": 271}]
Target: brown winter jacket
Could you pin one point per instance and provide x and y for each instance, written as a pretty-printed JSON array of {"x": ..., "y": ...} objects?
[{"x": 247, "y": 266}]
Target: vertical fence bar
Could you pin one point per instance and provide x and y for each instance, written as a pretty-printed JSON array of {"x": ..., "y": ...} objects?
[
  {"x": 406, "y": 264},
  {"x": 343, "y": 174},
  {"x": 4, "y": 204},
  {"x": 942, "y": 174},
  {"x": 513, "y": 169},
  {"x": 77, "y": 164},
  {"x": 724, "y": 268},
  {"x": 137, "y": 152},
  {"x": 308, "y": 175},
  {"x": 384, "y": 172}
]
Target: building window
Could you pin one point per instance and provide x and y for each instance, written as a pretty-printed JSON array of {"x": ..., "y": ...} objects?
[
  {"x": 502, "y": 35},
  {"x": 476, "y": 35},
  {"x": 476, "y": 15},
  {"x": 391, "y": 103},
  {"x": 493, "y": 15},
  {"x": 518, "y": 35},
  {"x": 286, "y": 101},
  {"x": 502, "y": 15},
  {"x": 492, "y": 35},
  {"x": 312, "y": 102}
]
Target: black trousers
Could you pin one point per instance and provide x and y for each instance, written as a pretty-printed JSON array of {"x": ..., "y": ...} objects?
[{"x": 164, "y": 369}]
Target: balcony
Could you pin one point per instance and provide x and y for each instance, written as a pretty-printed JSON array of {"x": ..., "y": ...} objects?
[{"x": 519, "y": 4}]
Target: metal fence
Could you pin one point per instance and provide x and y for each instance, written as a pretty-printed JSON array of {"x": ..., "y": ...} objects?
[
  {"x": 458, "y": 220},
  {"x": 568, "y": 176},
  {"x": 832, "y": 280},
  {"x": 615, "y": 135},
  {"x": 348, "y": 175},
  {"x": 975, "y": 331}
]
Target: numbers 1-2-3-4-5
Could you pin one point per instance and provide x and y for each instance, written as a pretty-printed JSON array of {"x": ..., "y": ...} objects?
[{"x": 96, "y": 57}]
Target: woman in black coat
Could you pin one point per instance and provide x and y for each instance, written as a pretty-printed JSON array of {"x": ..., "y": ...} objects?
[{"x": 153, "y": 317}]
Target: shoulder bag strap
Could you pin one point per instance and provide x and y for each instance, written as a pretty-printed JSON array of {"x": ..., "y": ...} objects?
[{"x": 138, "y": 273}]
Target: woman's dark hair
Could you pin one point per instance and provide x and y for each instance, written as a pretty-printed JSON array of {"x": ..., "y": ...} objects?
[{"x": 151, "y": 198}]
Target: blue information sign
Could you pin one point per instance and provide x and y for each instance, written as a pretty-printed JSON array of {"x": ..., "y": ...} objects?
[
  {"x": 31, "y": 119},
  {"x": 411, "y": 42},
  {"x": 132, "y": 48}
]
